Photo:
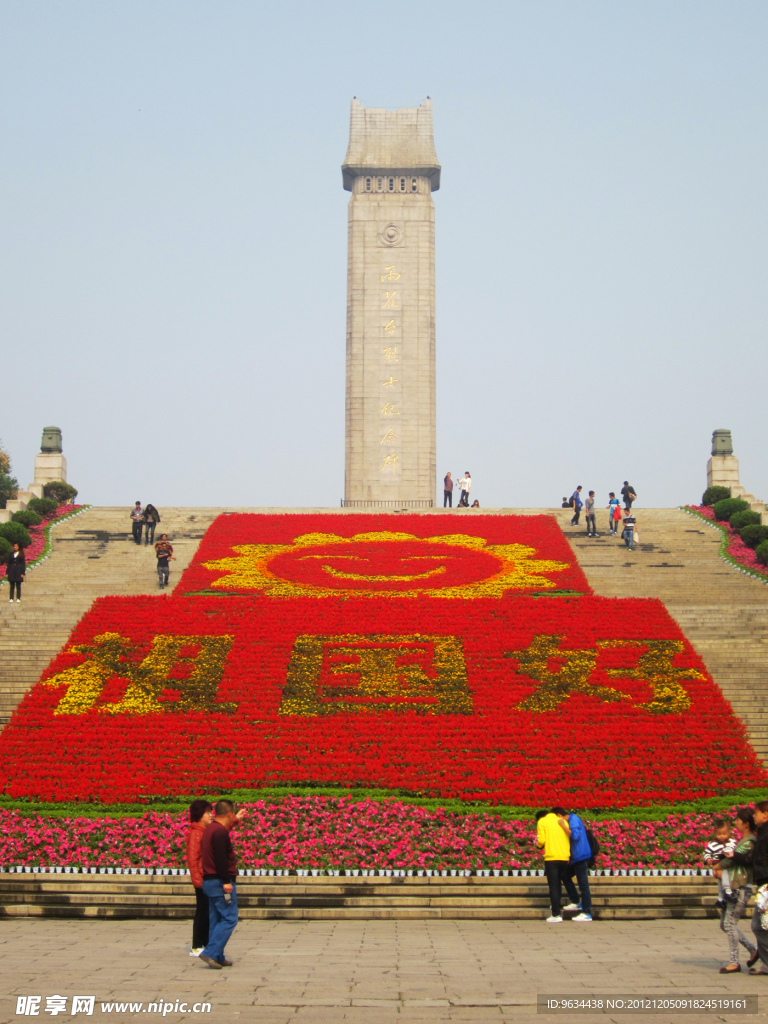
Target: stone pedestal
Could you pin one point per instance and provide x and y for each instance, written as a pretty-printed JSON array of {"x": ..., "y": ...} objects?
[
  {"x": 15, "y": 505},
  {"x": 49, "y": 466},
  {"x": 723, "y": 471}
]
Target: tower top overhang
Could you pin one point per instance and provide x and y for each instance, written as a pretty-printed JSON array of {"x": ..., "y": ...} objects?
[{"x": 391, "y": 142}]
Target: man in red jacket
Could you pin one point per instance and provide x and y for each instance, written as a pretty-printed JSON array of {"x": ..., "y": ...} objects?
[{"x": 219, "y": 873}]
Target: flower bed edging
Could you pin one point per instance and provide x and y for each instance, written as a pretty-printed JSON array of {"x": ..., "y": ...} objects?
[
  {"x": 43, "y": 533},
  {"x": 728, "y": 539}
]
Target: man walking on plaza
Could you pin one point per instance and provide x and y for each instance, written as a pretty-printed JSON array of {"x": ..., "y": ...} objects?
[
  {"x": 581, "y": 854},
  {"x": 219, "y": 874},
  {"x": 137, "y": 518},
  {"x": 551, "y": 838},
  {"x": 448, "y": 491},
  {"x": 760, "y": 870},
  {"x": 576, "y": 504}
]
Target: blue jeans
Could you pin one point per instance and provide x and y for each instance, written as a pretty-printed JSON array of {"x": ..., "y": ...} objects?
[
  {"x": 581, "y": 870},
  {"x": 222, "y": 918},
  {"x": 149, "y": 534}
]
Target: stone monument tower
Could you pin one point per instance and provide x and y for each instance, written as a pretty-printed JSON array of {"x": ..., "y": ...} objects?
[{"x": 391, "y": 169}]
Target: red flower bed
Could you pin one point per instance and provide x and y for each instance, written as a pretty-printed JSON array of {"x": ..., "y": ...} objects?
[
  {"x": 516, "y": 698},
  {"x": 358, "y": 555}
]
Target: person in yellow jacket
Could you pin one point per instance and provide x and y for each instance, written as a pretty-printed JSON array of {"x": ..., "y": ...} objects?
[{"x": 553, "y": 840}]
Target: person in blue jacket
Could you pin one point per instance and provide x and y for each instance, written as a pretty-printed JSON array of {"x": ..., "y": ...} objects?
[{"x": 581, "y": 854}]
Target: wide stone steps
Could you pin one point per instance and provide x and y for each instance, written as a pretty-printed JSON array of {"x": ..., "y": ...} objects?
[{"x": 350, "y": 898}]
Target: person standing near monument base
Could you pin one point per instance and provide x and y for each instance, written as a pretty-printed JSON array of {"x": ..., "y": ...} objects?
[
  {"x": 465, "y": 484},
  {"x": 448, "y": 491}
]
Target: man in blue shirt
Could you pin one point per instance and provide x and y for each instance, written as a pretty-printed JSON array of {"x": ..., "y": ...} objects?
[
  {"x": 581, "y": 854},
  {"x": 577, "y": 503}
]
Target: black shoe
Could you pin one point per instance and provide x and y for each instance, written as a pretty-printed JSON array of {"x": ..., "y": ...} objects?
[
  {"x": 720, "y": 904},
  {"x": 732, "y": 897}
]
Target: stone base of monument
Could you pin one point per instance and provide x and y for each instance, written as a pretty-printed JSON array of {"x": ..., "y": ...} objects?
[{"x": 723, "y": 471}]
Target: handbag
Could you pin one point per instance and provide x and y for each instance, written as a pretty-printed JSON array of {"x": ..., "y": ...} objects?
[{"x": 636, "y": 537}]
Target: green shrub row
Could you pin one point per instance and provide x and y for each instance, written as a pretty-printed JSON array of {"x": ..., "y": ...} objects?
[{"x": 173, "y": 805}]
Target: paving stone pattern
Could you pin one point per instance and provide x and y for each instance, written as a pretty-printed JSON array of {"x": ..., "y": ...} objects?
[{"x": 372, "y": 972}]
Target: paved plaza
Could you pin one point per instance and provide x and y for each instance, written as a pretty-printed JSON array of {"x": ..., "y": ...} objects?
[{"x": 367, "y": 972}]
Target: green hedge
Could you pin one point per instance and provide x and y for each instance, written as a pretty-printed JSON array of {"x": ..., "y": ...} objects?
[
  {"x": 15, "y": 533},
  {"x": 716, "y": 493},
  {"x": 172, "y": 805},
  {"x": 762, "y": 551},
  {"x": 5, "y": 549},
  {"x": 43, "y": 506},
  {"x": 729, "y": 507},
  {"x": 27, "y": 518},
  {"x": 753, "y": 535},
  {"x": 741, "y": 519},
  {"x": 59, "y": 491}
]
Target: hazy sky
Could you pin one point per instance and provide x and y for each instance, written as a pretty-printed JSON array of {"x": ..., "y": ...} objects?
[{"x": 173, "y": 241}]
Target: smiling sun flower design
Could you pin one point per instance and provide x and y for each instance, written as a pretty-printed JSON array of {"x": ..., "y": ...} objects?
[{"x": 384, "y": 563}]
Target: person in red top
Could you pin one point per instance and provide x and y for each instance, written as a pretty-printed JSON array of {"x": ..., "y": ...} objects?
[
  {"x": 201, "y": 816},
  {"x": 219, "y": 874}
]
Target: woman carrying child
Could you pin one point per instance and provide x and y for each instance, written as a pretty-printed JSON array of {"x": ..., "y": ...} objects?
[{"x": 736, "y": 865}]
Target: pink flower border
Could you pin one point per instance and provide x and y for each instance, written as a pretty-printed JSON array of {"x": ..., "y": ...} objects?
[{"x": 320, "y": 833}]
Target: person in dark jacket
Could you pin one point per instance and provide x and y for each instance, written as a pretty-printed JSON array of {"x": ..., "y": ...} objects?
[
  {"x": 628, "y": 494},
  {"x": 760, "y": 876},
  {"x": 16, "y": 570},
  {"x": 151, "y": 519},
  {"x": 200, "y": 816},
  {"x": 219, "y": 874}
]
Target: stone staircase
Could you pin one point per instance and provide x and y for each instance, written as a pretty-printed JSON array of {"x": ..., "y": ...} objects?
[
  {"x": 722, "y": 612},
  {"x": 350, "y": 897},
  {"x": 94, "y": 555}
]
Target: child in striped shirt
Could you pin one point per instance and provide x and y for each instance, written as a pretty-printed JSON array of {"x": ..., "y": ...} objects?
[{"x": 722, "y": 843}]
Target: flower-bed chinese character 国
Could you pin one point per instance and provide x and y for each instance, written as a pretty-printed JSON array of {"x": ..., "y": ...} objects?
[{"x": 327, "y": 649}]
